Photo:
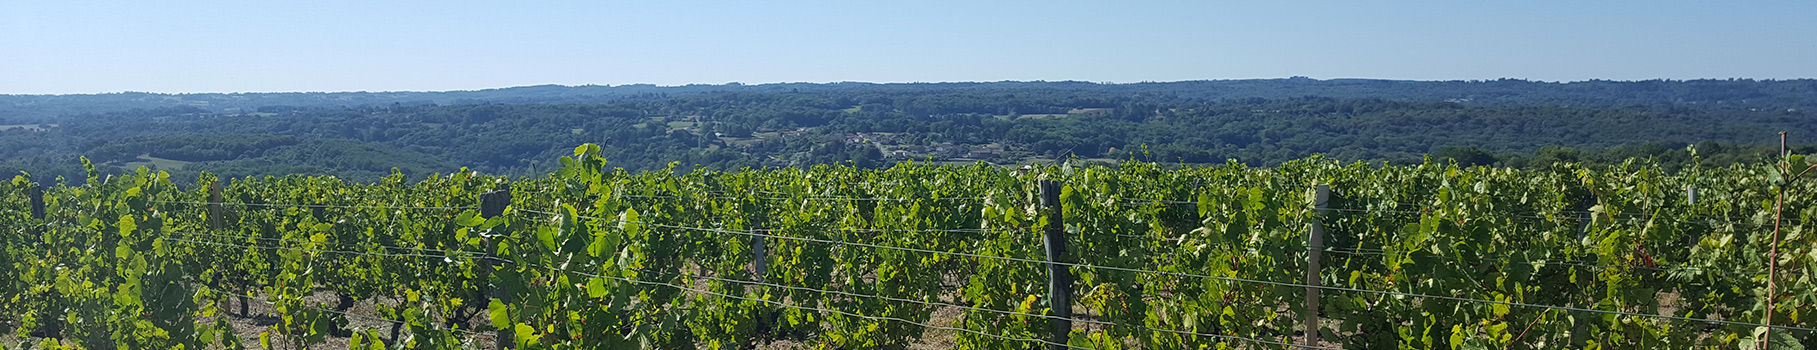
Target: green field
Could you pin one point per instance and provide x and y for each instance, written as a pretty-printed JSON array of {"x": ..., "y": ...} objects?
[{"x": 146, "y": 160}]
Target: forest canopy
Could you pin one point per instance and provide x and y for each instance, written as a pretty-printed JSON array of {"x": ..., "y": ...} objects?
[{"x": 1260, "y": 122}]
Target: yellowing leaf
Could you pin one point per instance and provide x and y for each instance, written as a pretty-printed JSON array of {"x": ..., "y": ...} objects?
[{"x": 127, "y": 226}]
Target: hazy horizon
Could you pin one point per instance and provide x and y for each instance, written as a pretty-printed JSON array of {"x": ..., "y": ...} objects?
[
  {"x": 344, "y": 46},
  {"x": 886, "y": 83}
]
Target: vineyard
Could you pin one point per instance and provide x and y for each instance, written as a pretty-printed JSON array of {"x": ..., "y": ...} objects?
[{"x": 1138, "y": 256}]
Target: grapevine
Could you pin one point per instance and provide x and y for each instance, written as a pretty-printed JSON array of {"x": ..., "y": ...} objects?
[{"x": 1425, "y": 256}]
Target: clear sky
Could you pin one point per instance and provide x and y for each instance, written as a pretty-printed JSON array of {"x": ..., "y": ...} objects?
[{"x": 333, "y": 45}]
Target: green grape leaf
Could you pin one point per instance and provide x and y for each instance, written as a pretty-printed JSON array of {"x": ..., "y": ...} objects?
[
  {"x": 597, "y": 246},
  {"x": 376, "y": 343},
  {"x": 628, "y": 222},
  {"x": 596, "y": 287},
  {"x": 1083, "y": 339},
  {"x": 526, "y": 335},
  {"x": 547, "y": 236},
  {"x": 501, "y": 318},
  {"x": 469, "y": 218},
  {"x": 1780, "y": 340},
  {"x": 567, "y": 170}
]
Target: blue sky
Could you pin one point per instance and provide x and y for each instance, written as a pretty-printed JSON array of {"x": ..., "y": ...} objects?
[{"x": 261, "y": 46}]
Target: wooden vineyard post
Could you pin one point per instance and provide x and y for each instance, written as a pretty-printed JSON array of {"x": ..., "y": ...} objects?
[
  {"x": 759, "y": 254},
  {"x": 1315, "y": 248},
  {"x": 492, "y": 204},
  {"x": 37, "y": 193},
  {"x": 214, "y": 205},
  {"x": 1059, "y": 280},
  {"x": 215, "y": 222}
]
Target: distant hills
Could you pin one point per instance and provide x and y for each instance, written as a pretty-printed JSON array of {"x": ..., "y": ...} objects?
[
  {"x": 522, "y": 130},
  {"x": 1733, "y": 94}
]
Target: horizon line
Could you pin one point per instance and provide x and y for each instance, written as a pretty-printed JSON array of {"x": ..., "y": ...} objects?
[{"x": 741, "y": 84}]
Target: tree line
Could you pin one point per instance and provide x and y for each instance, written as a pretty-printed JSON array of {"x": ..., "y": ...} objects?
[{"x": 874, "y": 125}]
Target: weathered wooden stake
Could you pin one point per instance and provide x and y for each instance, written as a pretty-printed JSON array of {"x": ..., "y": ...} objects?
[
  {"x": 492, "y": 204},
  {"x": 1059, "y": 280},
  {"x": 37, "y": 193},
  {"x": 760, "y": 256},
  {"x": 214, "y": 205},
  {"x": 1315, "y": 249}
]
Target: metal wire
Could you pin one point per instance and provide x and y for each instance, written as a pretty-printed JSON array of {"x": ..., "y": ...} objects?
[
  {"x": 1701, "y": 220},
  {"x": 316, "y": 205},
  {"x": 344, "y": 252},
  {"x": 1535, "y": 215},
  {"x": 358, "y": 245},
  {"x": 1562, "y": 262},
  {"x": 960, "y": 230},
  {"x": 1738, "y": 273},
  {"x": 847, "y": 199}
]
